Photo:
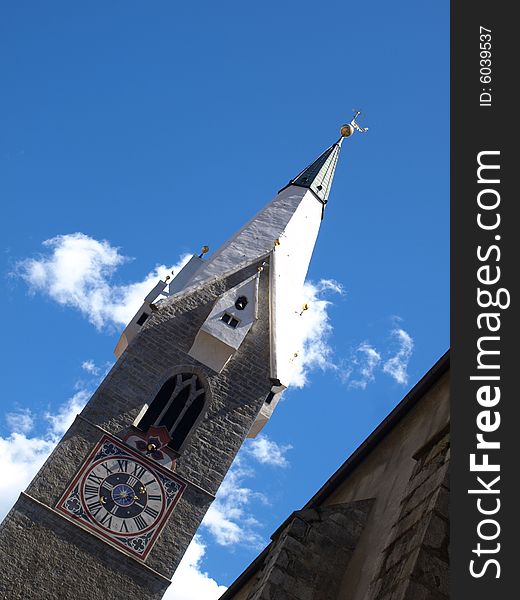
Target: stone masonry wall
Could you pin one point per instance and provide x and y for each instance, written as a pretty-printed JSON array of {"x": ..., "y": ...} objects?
[
  {"x": 416, "y": 559},
  {"x": 309, "y": 556},
  {"x": 62, "y": 562}
]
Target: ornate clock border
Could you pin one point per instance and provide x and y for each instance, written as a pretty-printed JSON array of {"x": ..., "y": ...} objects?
[{"x": 121, "y": 497}]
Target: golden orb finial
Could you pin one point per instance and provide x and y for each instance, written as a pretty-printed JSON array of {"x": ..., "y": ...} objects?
[{"x": 346, "y": 130}]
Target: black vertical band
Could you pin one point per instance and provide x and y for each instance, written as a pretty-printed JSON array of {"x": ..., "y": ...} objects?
[{"x": 486, "y": 257}]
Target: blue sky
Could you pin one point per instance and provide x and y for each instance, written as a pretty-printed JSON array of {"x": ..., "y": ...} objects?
[{"x": 157, "y": 128}]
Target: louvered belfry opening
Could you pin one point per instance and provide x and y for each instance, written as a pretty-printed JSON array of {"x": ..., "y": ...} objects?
[{"x": 177, "y": 406}]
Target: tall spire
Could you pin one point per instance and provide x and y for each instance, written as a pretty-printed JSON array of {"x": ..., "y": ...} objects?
[
  {"x": 257, "y": 238},
  {"x": 318, "y": 176},
  {"x": 281, "y": 238},
  {"x": 282, "y": 235}
]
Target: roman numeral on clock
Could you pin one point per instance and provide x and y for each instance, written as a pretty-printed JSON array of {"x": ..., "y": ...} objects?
[
  {"x": 140, "y": 523},
  {"x": 151, "y": 511},
  {"x": 94, "y": 507},
  {"x": 91, "y": 491},
  {"x": 95, "y": 478},
  {"x": 106, "y": 520},
  {"x": 107, "y": 469},
  {"x": 124, "y": 527},
  {"x": 138, "y": 471},
  {"x": 123, "y": 466}
]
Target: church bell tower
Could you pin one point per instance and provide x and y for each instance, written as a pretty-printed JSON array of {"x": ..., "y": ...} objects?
[{"x": 199, "y": 368}]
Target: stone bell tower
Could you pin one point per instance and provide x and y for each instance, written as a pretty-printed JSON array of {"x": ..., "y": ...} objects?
[{"x": 200, "y": 367}]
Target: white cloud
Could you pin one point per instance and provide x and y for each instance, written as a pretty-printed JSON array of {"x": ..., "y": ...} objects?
[
  {"x": 316, "y": 330},
  {"x": 21, "y": 421},
  {"x": 90, "y": 367},
  {"x": 76, "y": 271},
  {"x": 228, "y": 519},
  {"x": 330, "y": 285},
  {"x": 397, "y": 365},
  {"x": 190, "y": 582},
  {"x": 267, "y": 451},
  {"x": 62, "y": 420},
  {"x": 367, "y": 359},
  {"x": 23, "y": 455}
]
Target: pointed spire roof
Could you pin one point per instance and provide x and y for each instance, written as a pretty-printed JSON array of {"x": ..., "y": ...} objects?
[
  {"x": 297, "y": 206},
  {"x": 318, "y": 176},
  {"x": 282, "y": 236}
]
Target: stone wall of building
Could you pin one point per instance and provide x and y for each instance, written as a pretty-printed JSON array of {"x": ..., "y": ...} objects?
[
  {"x": 401, "y": 552},
  {"x": 307, "y": 558},
  {"x": 416, "y": 560},
  {"x": 62, "y": 561}
]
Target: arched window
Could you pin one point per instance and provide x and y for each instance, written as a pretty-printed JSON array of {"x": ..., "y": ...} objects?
[{"x": 177, "y": 406}]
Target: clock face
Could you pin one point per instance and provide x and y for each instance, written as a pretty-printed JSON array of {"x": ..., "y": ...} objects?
[{"x": 121, "y": 496}]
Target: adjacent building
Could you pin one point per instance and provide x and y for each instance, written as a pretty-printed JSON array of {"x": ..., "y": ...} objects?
[{"x": 378, "y": 529}]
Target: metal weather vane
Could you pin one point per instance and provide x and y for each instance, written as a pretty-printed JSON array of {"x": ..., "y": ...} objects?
[
  {"x": 355, "y": 125},
  {"x": 348, "y": 129}
]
